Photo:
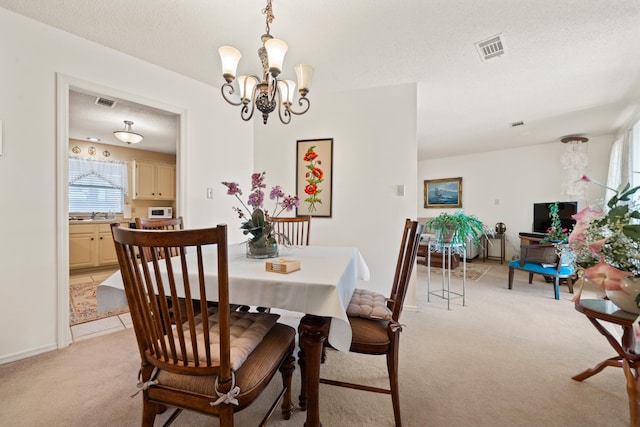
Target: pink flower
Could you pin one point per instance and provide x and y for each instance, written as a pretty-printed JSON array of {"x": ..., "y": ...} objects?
[
  {"x": 596, "y": 246},
  {"x": 605, "y": 277},
  {"x": 586, "y": 214},
  {"x": 583, "y": 219}
]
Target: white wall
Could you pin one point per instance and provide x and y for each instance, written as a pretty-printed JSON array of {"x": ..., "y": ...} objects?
[
  {"x": 217, "y": 144},
  {"x": 516, "y": 179},
  {"x": 374, "y": 150}
]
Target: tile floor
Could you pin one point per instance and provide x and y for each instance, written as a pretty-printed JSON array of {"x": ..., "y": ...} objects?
[{"x": 100, "y": 326}]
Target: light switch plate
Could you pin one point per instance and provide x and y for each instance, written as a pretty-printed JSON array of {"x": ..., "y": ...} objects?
[
  {"x": 209, "y": 193},
  {"x": 400, "y": 190}
]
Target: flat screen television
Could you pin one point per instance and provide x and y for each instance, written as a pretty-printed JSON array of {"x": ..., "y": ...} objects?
[{"x": 542, "y": 222}]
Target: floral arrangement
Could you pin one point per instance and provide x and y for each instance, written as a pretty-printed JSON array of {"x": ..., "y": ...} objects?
[
  {"x": 256, "y": 220},
  {"x": 555, "y": 233},
  {"x": 314, "y": 176},
  {"x": 606, "y": 246}
]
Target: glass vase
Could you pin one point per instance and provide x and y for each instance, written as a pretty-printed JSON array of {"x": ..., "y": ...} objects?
[
  {"x": 625, "y": 298},
  {"x": 262, "y": 247}
]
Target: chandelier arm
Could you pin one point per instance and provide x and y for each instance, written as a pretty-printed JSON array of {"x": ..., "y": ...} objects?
[
  {"x": 304, "y": 110},
  {"x": 244, "y": 110},
  {"x": 285, "y": 117},
  {"x": 229, "y": 86}
]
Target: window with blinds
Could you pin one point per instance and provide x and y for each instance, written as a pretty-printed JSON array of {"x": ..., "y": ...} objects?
[{"x": 97, "y": 186}]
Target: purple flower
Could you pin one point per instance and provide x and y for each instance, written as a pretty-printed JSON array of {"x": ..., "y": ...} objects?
[
  {"x": 233, "y": 188},
  {"x": 257, "y": 181},
  {"x": 290, "y": 202},
  {"x": 276, "y": 192},
  {"x": 255, "y": 199}
]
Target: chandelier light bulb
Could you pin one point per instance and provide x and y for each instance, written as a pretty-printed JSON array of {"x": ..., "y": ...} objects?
[{"x": 230, "y": 57}]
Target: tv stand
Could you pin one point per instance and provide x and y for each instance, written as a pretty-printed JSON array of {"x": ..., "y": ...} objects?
[{"x": 531, "y": 238}]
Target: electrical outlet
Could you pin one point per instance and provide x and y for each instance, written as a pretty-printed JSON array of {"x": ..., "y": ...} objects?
[
  {"x": 400, "y": 190},
  {"x": 209, "y": 193}
]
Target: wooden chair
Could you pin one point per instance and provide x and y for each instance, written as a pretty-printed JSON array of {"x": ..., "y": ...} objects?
[
  {"x": 292, "y": 231},
  {"x": 195, "y": 365},
  {"x": 375, "y": 319},
  {"x": 542, "y": 259},
  {"x": 160, "y": 224}
]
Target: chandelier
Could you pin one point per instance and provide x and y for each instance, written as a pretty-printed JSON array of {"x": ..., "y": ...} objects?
[
  {"x": 575, "y": 162},
  {"x": 268, "y": 92},
  {"x": 127, "y": 134}
]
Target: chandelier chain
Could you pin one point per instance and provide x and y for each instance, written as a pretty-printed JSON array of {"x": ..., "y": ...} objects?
[{"x": 268, "y": 10}]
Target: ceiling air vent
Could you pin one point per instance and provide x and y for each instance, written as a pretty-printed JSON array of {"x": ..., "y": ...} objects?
[
  {"x": 516, "y": 124},
  {"x": 105, "y": 102},
  {"x": 491, "y": 47}
]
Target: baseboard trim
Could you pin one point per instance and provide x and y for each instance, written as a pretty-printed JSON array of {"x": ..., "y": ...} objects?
[{"x": 26, "y": 354}]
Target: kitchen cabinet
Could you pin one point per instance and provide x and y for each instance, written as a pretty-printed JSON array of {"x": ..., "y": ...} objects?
[
  {"x": 91, "y": 245},
  {"x": 154, "y": 180}
]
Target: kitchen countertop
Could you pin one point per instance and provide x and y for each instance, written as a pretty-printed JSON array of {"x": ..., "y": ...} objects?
[{"x": 98, "y": 221}]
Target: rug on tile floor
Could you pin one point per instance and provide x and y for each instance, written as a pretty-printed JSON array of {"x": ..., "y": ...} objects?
[
  {"x": 474, "y": 271},
  {"x": 83, "y": 306}
]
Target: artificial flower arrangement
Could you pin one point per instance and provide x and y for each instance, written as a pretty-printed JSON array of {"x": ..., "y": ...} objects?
[
  {"x": 256, "y": 220},
  {"x": 555, "y": 233},
  {"x": 606, "y": 246}
]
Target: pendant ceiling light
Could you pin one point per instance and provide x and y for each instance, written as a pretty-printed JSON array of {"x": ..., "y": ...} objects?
[
  {"x": 268, "y": 92},
  {"x": 575, "y": 162},
  {"x": 127, "y": 135}
]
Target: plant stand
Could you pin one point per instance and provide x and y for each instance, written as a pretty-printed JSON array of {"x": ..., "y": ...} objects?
[{"x": 447, "y": 253}]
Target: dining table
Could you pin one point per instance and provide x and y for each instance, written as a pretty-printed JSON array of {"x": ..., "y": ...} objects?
[{"x": 321, "y": 289}]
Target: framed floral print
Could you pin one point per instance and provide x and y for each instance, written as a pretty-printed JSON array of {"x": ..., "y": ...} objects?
[{"x": 314, "y": 168}]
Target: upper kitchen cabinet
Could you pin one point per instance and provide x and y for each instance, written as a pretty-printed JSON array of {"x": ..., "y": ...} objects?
[{"x": 154, "y": 180}]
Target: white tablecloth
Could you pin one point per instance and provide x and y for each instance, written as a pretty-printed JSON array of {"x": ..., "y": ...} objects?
[{"x": 323, "y": 286}]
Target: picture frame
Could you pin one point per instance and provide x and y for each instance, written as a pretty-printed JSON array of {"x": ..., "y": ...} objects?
[
  {"x": 314, "y": 177},
  {"x": 443, "y": 193}
]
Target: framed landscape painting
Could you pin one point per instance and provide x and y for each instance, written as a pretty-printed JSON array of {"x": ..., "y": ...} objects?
[
  {"x": 314, "y": 169},
  {"x": 443, "y": 193}
]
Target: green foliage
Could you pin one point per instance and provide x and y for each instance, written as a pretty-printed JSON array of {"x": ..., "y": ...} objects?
[{"x": 456, "y": 228}]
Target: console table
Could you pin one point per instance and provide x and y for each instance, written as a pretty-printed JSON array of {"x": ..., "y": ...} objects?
[{"x": 605, "y": 311}]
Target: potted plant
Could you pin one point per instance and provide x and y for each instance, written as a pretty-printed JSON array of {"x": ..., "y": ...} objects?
[{"x": 457, "y": 228}]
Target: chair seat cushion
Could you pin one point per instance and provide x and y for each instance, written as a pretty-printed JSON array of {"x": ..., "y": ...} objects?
[
  {"x": 368, "y": 304},
  {"x": 247, "y": 331},
  {"x": 369, "y": 335},
  {"x": 252, "y": 377},
  {"x": 536, "y": 267}
]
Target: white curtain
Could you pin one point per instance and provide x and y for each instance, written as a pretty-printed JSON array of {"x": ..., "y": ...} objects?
[
  {"x": 619, "y": 162},
  {"x": 113, "y": 173}
]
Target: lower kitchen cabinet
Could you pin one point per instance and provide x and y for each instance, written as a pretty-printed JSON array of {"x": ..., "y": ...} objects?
[{"x": 91, "y": 245}]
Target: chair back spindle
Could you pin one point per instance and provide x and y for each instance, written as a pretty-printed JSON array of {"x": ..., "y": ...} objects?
[{"x": 292, "y": 231}]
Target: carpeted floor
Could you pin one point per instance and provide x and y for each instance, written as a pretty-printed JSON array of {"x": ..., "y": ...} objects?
[
  {"x": 474, "y": 271},
  {"x": 82, "y": 303},
  {"x": 504, "y": 360}
]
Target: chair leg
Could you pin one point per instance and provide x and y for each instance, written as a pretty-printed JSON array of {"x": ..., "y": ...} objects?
[
  {"x": 510, "y": 277},
  {"x": 530, "y": 278},
  {"x": 149, "y": 412},
  {"x": 392, "y": 368},
  {"x": 286, "y": 369},
  {"x": 570, "y": 284}
]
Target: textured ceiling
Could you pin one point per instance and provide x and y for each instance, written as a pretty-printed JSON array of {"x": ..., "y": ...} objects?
[{"x": 570, "y": 67}]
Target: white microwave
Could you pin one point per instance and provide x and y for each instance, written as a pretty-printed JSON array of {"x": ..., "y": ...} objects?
[{"x": 160, "y": 212}]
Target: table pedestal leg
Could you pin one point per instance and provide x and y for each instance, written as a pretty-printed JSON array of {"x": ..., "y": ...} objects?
[{"x": 312, "y": 332}]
